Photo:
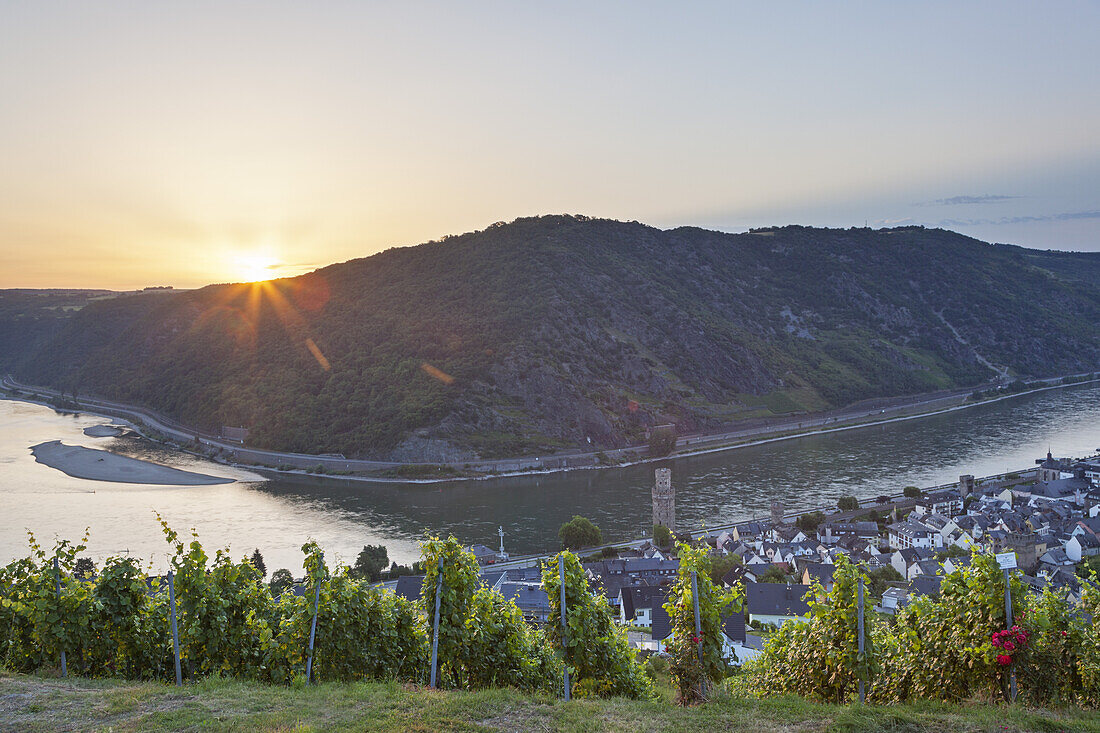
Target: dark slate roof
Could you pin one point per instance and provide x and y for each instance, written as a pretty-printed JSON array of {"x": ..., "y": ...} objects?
[
  {"x": 776, "y": 599},
  {"x": 529, "y": 597},
  {"x": 646, "y": 596},
  {"x": 734, "y": 576},
  {"x": 734, "y": 626},
  {"x": 662, "y": 624},
  {"x": 926, "y": 585},
  {"x": 408, "y": 586},
  {"x": 821, "y": 572}
]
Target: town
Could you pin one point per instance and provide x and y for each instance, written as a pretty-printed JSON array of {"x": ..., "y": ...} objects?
[{"x": 1048, "y": 515}]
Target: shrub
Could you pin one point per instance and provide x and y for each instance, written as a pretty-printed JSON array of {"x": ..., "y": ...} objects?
[
  {"x": 579, "y": 532},
  {"x": 601, "y": 662},
  {"x": 687, "y": 669}
]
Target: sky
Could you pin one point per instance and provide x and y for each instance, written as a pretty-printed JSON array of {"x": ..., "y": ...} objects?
[{"x": 187, "y": 143}]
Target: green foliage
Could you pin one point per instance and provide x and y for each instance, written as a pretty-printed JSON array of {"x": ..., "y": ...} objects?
[
  {"x": 257, "y": 560},
  {"x": 688, "y": 670},
  {"x": 911, "y": 492},
  {"x": 810, "y": 521},
  {"x": 662, "y": 441},
  {"x": 662, "y": 536},
  {"x": 281, "y": 579},
  {"x": 847, "y": 503},
  {"x": 721, "y": 565},
  {"x": 483, "y": 639},
  {"x": 601, "y": 662},
  {"x": 772, "y": 575},
  {"x": 951, "y": 551},
  {"x": 880, "y": 579},
  {"x": 372, "y": 560},
  {"x": 579, "y": 532}
]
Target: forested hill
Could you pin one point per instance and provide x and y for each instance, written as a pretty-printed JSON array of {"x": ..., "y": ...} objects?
[{"x": 546, "y": 332}]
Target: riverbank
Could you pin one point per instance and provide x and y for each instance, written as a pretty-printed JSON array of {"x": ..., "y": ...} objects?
[
  {"x": 33, "y": 703},
  {"x": 357, "y": 470},
  {"x": 100, "y": 465}
]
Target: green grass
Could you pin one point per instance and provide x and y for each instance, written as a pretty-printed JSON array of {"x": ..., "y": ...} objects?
[{"x": 30, "y": 703}]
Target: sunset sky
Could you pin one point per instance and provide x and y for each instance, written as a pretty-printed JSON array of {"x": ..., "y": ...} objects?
[{"x": 188, "y": 143}]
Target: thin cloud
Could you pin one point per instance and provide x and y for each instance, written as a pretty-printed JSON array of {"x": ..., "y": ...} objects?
[
  {"x": 1068, "y": 216},
  {"x": 988, "y": 198}
]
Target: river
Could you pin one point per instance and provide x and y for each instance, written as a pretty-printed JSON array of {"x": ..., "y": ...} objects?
[{"x": 278, "y": 515}]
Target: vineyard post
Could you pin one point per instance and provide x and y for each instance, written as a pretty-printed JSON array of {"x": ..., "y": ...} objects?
[
  {"x": 435, "y": 624},
  {"x": 564, "y": 628},
  {"x": 862, "y": 696},
  {"x": 175, "y": 630},
  {"x": 313, "y": 626},
  {"x": 57, "y": 580},
  {"x": 1008, "y": 625},
  {"x": 698, "y": 632}
]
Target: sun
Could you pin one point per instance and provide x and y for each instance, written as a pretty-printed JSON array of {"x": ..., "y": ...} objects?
[{"x": 254, "y": 267}]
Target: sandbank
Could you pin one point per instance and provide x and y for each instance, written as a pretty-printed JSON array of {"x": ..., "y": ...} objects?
[
  {"x": 103, "y": 431},
  {"x": 101, "y": 465}
]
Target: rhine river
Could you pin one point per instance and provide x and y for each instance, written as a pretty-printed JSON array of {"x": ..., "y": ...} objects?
[{"x": 277, "y": 516}]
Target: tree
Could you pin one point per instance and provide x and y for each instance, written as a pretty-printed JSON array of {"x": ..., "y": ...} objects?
[
  {"x": 911, "y": 492},
  {"x": 772, "y": 575},
  {"x": 662, "y": 536},
  {"x": 579, "y": 532},
  {"x": 952, "y": 551},
  {"x": 722, "y": 565},
  {"x": 281, "y": 579},
  {"x": 847, "y": 503},
  {"x": 372, "y": 560},
  {"x": 662, "y": 441},
  {"x": 258, "y": 563},
  {"x": 810, "y": 521},
  {"x": 84, "y": 568},
  {"x": 879, "y": 580}
]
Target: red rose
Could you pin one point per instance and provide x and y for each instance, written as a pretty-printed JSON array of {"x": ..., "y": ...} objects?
[
  {"x": 695, "y": 639},
  {"x": 1004, "y": 660},
  {"x": 1009, "y": 646},
  {"x": 1064, "y": 634}
]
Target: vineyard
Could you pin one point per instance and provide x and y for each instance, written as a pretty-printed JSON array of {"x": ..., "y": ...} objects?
[{"x": 465, "y": 636}]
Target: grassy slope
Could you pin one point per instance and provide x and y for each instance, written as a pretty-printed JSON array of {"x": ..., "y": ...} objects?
[{"x": 36, "y": 703}]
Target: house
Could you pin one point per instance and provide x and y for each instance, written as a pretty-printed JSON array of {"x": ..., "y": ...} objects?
[
  {"x": 903, "y": 560},
  {"x": 775, "y": 603},
  {"x": 948, "y": 503},
  {"x": 893, "y": 599},
  {"x": 831, "y": 532},
  {"x": 636, "y": 604},
  {"x": 1081, "y": 546},
  {"x": 821, "y": 573},
  {"x": 530, "y": 598},
  {"x": 736, "y": 645},
  {"x": 1056, "y": 558},
  {"x": 484, "y": 555},
  {"x": 902, "y": 535},
  {"x": 925, "y": 585}
]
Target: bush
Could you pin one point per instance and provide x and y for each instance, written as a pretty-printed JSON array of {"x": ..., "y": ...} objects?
[
  {"x": 912, "y": 492},
  {"x": 687, "y": 669},
  {"x": 820, "y": 658},
  {"x": 601, "y": 662},
  {"x": 847, "y": 503},
  {"x": 579, "y": 532},
  {"x": 662, "y": 536}
]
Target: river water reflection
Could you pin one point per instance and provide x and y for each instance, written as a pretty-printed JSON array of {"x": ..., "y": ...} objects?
[{"x": 277, "y": 516}]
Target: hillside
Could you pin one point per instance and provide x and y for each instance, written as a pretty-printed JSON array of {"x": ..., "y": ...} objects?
[{"x": 541, "y": 334}]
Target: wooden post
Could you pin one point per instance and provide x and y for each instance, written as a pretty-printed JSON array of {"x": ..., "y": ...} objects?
[
  {"x": 862, "y": 695},
  {"x": 57, "y": 580},
  {"x": 435, "y": 624},
  {"x": 698, "y": 632},
  {"x": 175, "y": 631},
  {"x": 1008, "y": 625},
  {"x": 313, "y": 626},
  {"x": 564, "y": 627}
]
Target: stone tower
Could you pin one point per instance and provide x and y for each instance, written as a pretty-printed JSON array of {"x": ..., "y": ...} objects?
[
  {"x": 966, "y": 485},
  {"x": 777, "y": 514},
  {"x": 664, "y": 499}
]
